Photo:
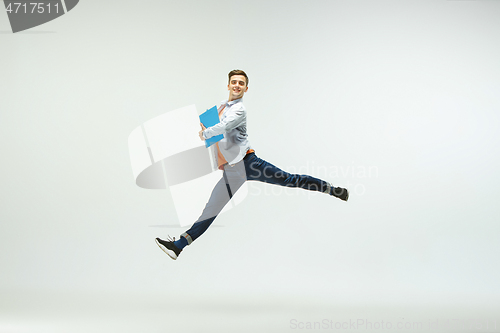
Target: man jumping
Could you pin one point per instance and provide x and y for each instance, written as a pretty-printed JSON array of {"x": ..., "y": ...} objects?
[{"x": 239, "y": 163}]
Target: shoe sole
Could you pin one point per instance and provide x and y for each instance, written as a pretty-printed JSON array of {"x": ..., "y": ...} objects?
[{"x": 170, "y": 253}]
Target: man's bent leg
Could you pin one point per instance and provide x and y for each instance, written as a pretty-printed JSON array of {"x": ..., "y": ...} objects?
[{"x": 227, "y": 186}]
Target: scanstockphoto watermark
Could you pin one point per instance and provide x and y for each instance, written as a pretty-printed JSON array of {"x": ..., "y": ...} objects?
[
  {"x": 24, "y": 14},
  {"x": 353, "y": 176},
  {"x": 479, "y": 325}
]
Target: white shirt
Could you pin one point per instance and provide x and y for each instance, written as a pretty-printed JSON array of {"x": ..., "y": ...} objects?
[{"x": 233, "y": 124}]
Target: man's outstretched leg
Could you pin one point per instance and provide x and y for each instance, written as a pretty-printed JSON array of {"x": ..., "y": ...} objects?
[
  {"x": 260, "y": 170},
  {"x": 233, "y": 178}
]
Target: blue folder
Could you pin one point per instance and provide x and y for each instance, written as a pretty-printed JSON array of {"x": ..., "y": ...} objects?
[{"x": 210, "y": 118}]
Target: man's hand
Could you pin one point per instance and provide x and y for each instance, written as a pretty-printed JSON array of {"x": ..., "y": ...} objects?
[{"x": 201, "y": 132}]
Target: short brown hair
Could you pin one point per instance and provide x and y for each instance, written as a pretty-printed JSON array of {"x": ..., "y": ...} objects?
[{"x": 237, "y": 72}]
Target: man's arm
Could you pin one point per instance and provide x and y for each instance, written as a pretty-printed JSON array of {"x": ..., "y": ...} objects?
[
  {"x": 233, "y": 119},
  {"x": 200, "y": 133}
]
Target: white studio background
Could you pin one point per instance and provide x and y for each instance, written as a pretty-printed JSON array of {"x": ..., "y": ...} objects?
[{"x": 398, "y": 100}]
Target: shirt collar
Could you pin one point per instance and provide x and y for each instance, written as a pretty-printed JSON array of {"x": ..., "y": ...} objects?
[{"x": 231, "y": 103}]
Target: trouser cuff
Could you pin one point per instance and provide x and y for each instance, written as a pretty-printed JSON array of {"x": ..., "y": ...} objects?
[
  {"x": 328, "y": 188},
  {"x": 188, "y": 238}
]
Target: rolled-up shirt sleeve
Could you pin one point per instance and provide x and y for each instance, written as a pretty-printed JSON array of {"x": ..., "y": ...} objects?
[{"x": 233, "y": 119}]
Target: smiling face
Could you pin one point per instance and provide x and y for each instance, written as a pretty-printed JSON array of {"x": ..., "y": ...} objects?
[{"x": 237, "y": 87}]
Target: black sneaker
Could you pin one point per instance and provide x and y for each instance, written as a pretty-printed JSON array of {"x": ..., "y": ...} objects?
[
  {"x": 341, "y": 193},
  {"x": 169, "y": 247}
]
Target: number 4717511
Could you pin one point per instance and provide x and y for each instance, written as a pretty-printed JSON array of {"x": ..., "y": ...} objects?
[{"x": 32, "y": 7}]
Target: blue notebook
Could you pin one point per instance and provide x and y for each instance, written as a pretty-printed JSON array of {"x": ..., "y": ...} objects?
[{"x": 210, "y": 118}]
